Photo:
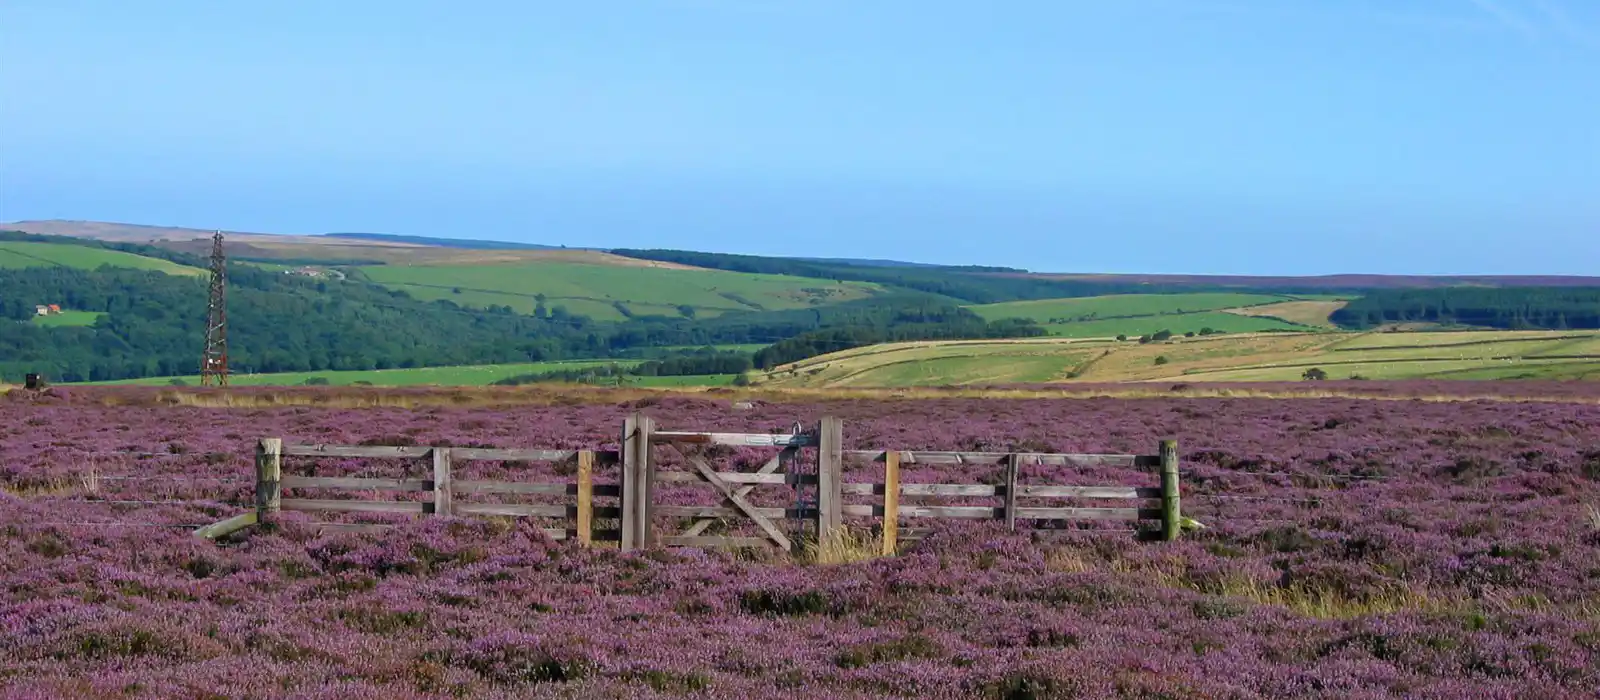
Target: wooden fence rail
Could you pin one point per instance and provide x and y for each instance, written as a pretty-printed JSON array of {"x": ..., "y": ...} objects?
[{"x": 637, "y": 509}]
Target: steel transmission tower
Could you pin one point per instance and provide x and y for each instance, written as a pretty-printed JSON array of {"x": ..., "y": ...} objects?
[{"x": 214, "y": 362}]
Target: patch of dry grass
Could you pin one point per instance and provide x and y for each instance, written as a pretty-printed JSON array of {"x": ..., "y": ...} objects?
[
  {"x": 1308, "y": 601},
  {"x": 846, "y": 545}
]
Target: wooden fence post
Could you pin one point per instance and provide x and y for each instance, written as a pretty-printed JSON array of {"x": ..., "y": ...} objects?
[
  {"x": 1011, "y": 489},
  {"x": 830, "y": 475},
  {"x": 442, "y": 489},
  {"x": 637, "y": 474},
  {"x": 1171, "y": 510},
  {"x": 585, "y": 524},
  {"x": 891, "y": 501},
  {"x": 269, "y": 477}
]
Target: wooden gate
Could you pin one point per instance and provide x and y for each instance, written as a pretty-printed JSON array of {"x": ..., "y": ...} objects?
[{"x": 790, "y": 466}]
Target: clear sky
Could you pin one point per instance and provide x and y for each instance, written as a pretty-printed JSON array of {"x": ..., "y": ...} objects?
[{"x": 1195, "y": 136}]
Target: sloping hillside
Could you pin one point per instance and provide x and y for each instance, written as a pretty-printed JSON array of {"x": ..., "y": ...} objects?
[
  {"x": 1230, "y": 358},
  {"x": 1143, "y": 314},
  {"x": 611, "y": 292},
  {"x": 345, "y": 249},
  {"x": 25, "y": 254}
]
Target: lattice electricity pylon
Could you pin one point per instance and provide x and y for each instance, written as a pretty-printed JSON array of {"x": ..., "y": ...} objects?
[{"x": 214, "y": 361}]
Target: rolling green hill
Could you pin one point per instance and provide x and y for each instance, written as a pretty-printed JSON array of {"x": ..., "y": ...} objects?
[
  {"x": 1120, "y": 306},
  {"x": 25, "y": 254},
  {"x": 597, "y": 291},
  {"x": 1142, "y": 314},
  {"x": 1178, "y": 324}
]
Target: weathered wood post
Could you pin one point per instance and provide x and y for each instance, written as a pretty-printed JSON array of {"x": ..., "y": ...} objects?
[
  {"x": 637, "y": 474},
  {"x": 830, "y": 477},
  {"x": 442, "y": 489},
  {"x": 1012, "y": 460},
  {"x": 891, "y": 502},
  {"x": 1171, "y": 510},
  {"x": 585, "y": 524},
  {"x": 269, "y": 478}
]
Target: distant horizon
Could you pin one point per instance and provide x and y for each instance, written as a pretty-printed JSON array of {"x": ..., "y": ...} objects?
[{"x": 206, "y": 231}]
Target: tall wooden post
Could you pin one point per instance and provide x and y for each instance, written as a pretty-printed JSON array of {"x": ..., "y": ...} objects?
[
  {"x": 585, "y": 525},
  {"x": 269, "y": 478},
  {"x": 442, "y": 489},
  {"x": 891, "y": 502},
  {"x": 1012, "y": 461},
  {"x": 830, "y": 477},
  {"x": 637, "y": 474},
  {"x": 1171, "y": 510}
]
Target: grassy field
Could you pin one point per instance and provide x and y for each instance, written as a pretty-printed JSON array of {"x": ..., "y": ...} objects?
[
  {"x": 1309, "y": 313},
  {"x": 1230, "y": 358},
  {"x": 20, "y": 254},
  {"x": 67, "y": 318},
  {"x": 1134, "y": 315},
  {"x": 1120, "y": 305},
  {"x": 594, "y": 290},
  {"x": 693, "y": 380},
  {"x": 1178, "y": 324},
  {"x": 475, "y": 375}
]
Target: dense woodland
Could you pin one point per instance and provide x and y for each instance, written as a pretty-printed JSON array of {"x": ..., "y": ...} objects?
[{"x": 1554, "y": 308}]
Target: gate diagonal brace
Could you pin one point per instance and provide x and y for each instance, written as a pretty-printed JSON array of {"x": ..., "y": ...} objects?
[
  {"x": 771, "y": 466},
  {"x": 710, "y": 475}
]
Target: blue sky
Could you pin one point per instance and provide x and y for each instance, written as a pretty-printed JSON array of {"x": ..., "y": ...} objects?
[{"x": 1183, "y": 136}]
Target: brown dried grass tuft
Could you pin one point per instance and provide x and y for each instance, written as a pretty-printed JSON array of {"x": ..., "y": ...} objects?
[{"x": 845, "y": 546}]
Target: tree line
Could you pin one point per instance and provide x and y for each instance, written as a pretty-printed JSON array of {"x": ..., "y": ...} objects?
[{"x": 1512, "y": 308}]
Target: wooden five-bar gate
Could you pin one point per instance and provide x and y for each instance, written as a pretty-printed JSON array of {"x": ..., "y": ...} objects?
[{"x": 642, "y": 507}]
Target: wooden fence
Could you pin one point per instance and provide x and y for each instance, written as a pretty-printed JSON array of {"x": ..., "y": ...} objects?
[{"x": 644, "y": 521}]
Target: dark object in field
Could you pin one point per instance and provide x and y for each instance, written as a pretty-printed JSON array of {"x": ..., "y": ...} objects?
[{"x": 34, "y": 381}]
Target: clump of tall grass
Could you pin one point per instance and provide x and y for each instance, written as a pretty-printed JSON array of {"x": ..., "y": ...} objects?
[{"x": 844, "y": 546}]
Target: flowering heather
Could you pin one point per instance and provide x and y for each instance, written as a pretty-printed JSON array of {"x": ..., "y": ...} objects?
[{"x": 1351, "y": 549}]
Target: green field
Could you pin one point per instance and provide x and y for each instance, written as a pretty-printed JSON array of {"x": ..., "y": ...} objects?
[
  {"x": 1226, "y": 358},
  {"x": 1121, "y": 305},
  {"x": 1134, "y": 315},
  {"x": 1177, "y": 323},
  {"x": 476, "y": 375},
  {"x": 681, "y": 381},
  {"x": 20, "y": 254},
  {"x": 67, "y": 318},
  {"x": 593, "y": 290}
]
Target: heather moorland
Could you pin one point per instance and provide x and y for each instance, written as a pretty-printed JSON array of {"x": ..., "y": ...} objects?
[{"x": 1351, "y": 548}]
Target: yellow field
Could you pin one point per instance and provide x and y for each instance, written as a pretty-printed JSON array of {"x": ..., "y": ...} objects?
[
  {"x": 1305, "y": 313},
  {"x": 1232, "y": 358}
]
